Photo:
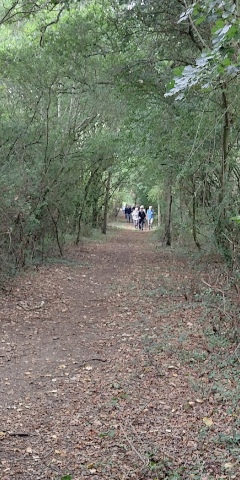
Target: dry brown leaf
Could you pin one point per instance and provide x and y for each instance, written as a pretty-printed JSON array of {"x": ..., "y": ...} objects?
[{"x": 208, "y": 421}]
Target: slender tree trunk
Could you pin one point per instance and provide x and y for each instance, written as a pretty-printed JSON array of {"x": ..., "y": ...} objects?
[
  {"x": 95, "y": 194},
  {"x": 95, "y": 213},
  {"x": 57, "y": 232},
  {"x": 224, "y": 172},
  {"x": 181, "y": 204},
  {"x": 225, "y": 147},
  {"x": 194, "y": 226},
  {"x": 105, "y": 207},
  {"x": 159, "y": 208},
  {"x": 167, "y": 239}
]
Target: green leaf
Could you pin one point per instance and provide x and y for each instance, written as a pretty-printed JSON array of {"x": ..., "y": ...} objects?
[
  {"x": 232, "y": 32},
  {"x": 220, "y": 69},
  {"x": 218, "y": 25},
  {"x": 178, "y": 71},
  {"x": 226, "y": 62},
  {"x": 200, "y": 20},
  {"x": 170, "y": 85},
  {"x": 66, "y": 477},
  {"x": 236, "y": 219}
]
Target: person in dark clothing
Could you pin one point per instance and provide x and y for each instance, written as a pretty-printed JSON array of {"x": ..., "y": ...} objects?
[
  {"x": 129, "y": 214},
  {"x": 126, "y": 212},
  {"x": 142, "y": 216}
]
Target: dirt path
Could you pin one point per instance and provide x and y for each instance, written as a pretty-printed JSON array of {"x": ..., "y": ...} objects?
[{"x": 110, "y": 377}]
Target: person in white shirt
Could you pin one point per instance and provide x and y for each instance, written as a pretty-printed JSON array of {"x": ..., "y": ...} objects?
[{"x": 135, "y": 217}]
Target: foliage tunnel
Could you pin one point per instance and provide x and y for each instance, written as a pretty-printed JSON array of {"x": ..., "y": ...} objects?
[{"x": 103, "y": 101}]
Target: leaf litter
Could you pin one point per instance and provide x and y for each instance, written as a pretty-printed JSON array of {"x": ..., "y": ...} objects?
[{"x": 111, "y": 377}]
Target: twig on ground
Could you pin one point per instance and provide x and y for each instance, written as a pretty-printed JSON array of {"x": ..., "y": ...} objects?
[
  {"x": 235, "y": 352},
  {"x": 213, "y": 287},
  {"x": 143, "y": 459},
  {"x": 90, "y": 360}
]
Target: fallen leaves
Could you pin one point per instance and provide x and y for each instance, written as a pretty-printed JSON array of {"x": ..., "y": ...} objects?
[
  {"x": 28, "y": 307},
  {"x": 75, "y": 428},
  {"x": 207, "y": 421},
  {"x": 228, "y": 466}
]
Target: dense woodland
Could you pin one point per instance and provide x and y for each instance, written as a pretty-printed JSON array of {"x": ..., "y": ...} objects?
[
  {"x": 119, "y": 353},
  {"x": 104, "y": 99}
]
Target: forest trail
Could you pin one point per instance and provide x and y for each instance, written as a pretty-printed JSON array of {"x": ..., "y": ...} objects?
[{"x": 109, "y": 377}]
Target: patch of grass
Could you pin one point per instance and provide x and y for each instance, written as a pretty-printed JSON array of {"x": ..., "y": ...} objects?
[
  {"x": 165, "y": 310},
  {"x": 68, "y": 262},
  {"x": 192, "y": 356},
  {"x": 200, "y": 387},
  {"x": 183, "y": 337},
  {"x": 94, "y": 235},
  {"x": 156, "y": 292},
  {"x": 159, "y": 467},
  {"x": 162, "y": 291},
  {"x": 217, "y": 340},
  {"x": 232, "y": 442}
]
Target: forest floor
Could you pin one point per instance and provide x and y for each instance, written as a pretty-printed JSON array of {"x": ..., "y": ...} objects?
[{"x": 113, "y": 366}]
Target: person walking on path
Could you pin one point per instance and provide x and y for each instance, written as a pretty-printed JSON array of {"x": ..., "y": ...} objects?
[
  {"x": 150, "y": 217},
  {"x": 142, "y": 216},
  {"x": 135, "y": 217},
  {"x": 128, "y": 212}
]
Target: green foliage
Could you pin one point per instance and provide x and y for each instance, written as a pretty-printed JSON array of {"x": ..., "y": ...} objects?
[
  {"x": 236, "y": 219},
  {"x": 82, "y": 97},
  {"x": 109, "y": 433},
  {"x": 219, "y": 58}
]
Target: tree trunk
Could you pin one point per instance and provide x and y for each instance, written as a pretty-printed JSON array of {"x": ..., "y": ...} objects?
[
  {"x": 221, "y": 240},
  {"x": 194, "y": 227},
  {"x": 159, "y": 209},
  {"x": 95, "y": 212},
  {"x": 96, "y": 191},
  {"x": 181, "y": 203},
  {"x": 105, "y": 207},
  {"x": 167, "y": 239},
  {"x": 80, "y": 213},
  {"x": 225, "y": 148}
]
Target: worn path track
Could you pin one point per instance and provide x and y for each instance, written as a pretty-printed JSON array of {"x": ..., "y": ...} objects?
[{"x": 102, "y": 379}]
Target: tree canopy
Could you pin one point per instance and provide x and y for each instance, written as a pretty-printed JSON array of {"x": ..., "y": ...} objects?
[{"x": 100, "y": 100}]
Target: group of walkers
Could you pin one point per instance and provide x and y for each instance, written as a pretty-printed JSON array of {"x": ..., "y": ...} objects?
[{"x": 138, "y": 216}]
